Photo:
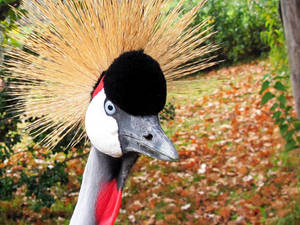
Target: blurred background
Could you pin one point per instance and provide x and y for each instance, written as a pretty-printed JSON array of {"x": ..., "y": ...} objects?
[{"x": 234, "y": 126}]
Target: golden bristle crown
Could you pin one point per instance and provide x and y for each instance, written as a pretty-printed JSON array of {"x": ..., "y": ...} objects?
[{"x": 75, "y": 41}]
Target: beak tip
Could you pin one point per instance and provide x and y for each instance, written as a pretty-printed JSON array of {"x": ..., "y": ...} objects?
[
  {"x": 175, "y": 158},
  {"x": 172, "y": 156}
]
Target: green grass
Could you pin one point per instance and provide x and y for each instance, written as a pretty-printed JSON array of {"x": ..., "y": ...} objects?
[
  {"x": 187, "y": 91},
  {"x": 292, "y": 218}
]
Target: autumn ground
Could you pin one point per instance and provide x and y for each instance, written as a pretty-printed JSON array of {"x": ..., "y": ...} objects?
[{"x": 230, "y": 169}]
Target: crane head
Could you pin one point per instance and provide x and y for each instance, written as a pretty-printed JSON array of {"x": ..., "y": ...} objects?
[{"x": 123, "y": 114}]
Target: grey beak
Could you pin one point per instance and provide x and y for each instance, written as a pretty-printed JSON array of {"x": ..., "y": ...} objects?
[{"x": 143, "y": 134}]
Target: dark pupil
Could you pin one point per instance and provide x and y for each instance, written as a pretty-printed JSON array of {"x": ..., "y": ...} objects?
[{"x": 110, "y": 107}]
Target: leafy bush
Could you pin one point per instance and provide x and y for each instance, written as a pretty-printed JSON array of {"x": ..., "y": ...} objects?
[
  {"x": 276, "y": 86},
  {"x": 9, "y": 135},
  {"x": 240, "y": 26},
  {"x": 289, "y": 125}
]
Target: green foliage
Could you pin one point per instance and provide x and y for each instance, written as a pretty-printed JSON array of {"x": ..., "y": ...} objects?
[
  {"x": 9, "y": 135},
  {"x": 8, "y": 17},
  {"x": 39, "y": 185},
  {"x": 7, "y": 187},
  {"x": 6, "y": 2},
  {"x": 274, "y": 37},
  {"x": 241, "y": 26},
  {"x": 274, "y": 87}
]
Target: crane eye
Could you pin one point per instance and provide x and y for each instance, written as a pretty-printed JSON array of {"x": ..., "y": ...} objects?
[{"x": 109, "y": 107}]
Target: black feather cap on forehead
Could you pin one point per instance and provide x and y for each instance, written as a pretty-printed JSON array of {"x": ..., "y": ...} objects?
[{"x": 136, "y": 84}]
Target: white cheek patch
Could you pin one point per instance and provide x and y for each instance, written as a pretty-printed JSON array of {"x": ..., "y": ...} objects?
[{"x": 102, "y": 129}]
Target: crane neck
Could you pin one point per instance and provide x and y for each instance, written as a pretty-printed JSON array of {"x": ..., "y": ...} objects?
[{"x": 101, "y": 189}]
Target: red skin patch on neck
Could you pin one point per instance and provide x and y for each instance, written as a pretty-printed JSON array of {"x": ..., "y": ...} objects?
[
  {"x": 98, "y": 88},
  {"x": 108, "y": 203}
]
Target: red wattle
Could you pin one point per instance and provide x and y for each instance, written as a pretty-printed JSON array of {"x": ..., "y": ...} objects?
[
  {"x": 108, "y": 203},
  {"x": 98, "y": 88}
]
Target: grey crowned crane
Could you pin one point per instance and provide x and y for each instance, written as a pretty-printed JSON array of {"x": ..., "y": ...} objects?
[
  {"x": 121, "y": 123},
  {"x": 104, "y": 65}
]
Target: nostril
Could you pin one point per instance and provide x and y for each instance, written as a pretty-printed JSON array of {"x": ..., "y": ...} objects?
[{"x": 148, "y": 137}]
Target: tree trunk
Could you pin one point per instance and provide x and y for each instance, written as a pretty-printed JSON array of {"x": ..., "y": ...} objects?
[{"x": 291, "y": 20}]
